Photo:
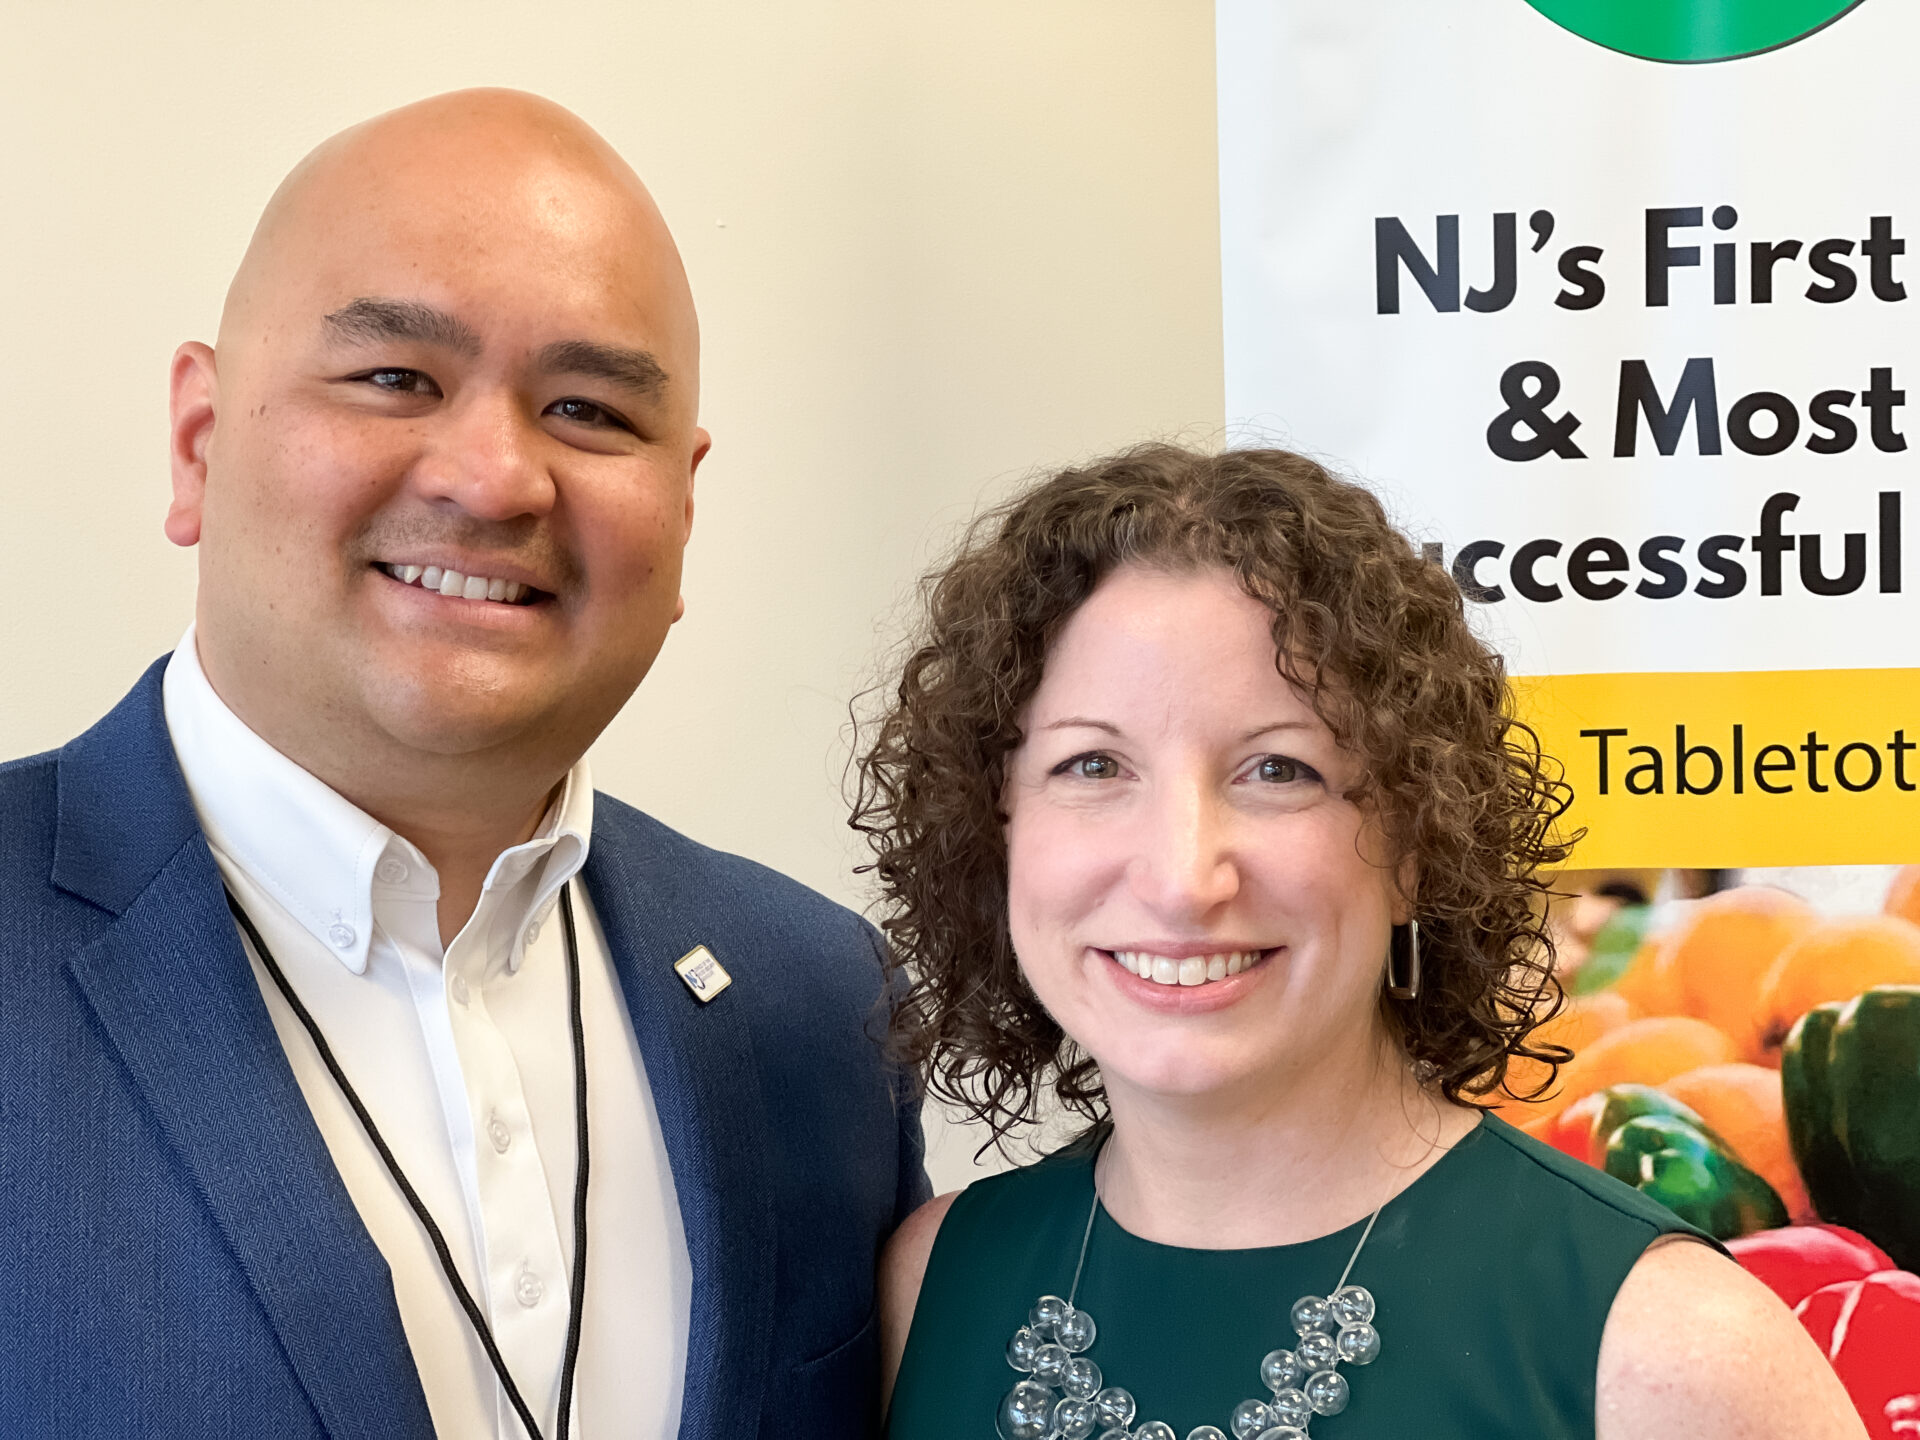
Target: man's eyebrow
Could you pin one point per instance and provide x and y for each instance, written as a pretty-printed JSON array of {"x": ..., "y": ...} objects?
[
  {"x": 372, "y": 319},
  {"x": 634, "y": 370}
]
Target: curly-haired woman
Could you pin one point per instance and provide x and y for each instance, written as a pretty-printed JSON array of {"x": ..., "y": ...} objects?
[{"x": 1199, "y": 804}]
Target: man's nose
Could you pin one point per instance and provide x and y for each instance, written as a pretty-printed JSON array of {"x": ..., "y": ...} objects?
[
  {"x": 1184, "y": 867},
  {"x": 485, "y": 457}
]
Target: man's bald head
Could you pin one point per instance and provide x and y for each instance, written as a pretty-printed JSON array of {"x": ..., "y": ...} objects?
[
  {"x": 460, "y": 348},
  {"x": 460, "y": 160}
]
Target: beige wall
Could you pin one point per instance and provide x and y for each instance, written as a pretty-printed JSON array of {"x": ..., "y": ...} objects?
[{"x": 934, "y": 246}]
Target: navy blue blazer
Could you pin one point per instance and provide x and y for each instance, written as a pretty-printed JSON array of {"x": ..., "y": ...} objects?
[{"x": 178, "y": 1255}]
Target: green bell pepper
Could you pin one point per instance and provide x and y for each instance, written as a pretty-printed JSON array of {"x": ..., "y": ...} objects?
[
  {"x": 1688, "y": 1169},
  {"x": 1617, "y": 1104},
  {"x": 1850, "y": 1073}
]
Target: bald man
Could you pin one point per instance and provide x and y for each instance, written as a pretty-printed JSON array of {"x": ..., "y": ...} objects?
[{"x": 364, "y": 1073}]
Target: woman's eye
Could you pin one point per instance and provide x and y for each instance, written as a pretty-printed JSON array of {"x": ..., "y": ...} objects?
[
  {"x": 1090, "y": 767},
  {"x": 1279, "y": 770},
  {"x": 584, "y": 412}
]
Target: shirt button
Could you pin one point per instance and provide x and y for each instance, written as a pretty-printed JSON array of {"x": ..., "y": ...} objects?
[
  {"x": 392, "y": 871},
  {"x": 528, "y": 1289},
  {"x": 533, "y": 932},
  {"x": 459, "y": 989},
  {"x": 341, "y": 936},
  {"x": 498, "y": 1132}
]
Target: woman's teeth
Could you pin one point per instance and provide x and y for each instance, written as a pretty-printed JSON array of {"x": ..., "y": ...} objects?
[
  {"x": 1192, "y": 970},
  {"x": 452, "y": 582}
]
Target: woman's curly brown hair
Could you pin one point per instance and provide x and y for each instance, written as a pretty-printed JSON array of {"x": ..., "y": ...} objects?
[{"x": 1373, "y": 633}]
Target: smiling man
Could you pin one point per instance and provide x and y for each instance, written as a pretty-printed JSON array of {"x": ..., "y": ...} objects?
[{"x": 364, "y": 1072}]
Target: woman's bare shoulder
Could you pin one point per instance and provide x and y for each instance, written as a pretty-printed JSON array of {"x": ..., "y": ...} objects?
[
  {"x": 903, "y": 1265},
  {"x": 1695, "y": 1347}
]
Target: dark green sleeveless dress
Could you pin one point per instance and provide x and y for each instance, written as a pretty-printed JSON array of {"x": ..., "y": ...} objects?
[{"x": 1492, "y": 1273}]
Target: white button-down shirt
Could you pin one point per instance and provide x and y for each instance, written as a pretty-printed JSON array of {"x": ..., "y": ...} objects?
[{"x": 464, "y": 1058}]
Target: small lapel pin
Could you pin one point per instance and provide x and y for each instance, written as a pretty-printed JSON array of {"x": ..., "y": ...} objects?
[{"x": 706, "y": 977}]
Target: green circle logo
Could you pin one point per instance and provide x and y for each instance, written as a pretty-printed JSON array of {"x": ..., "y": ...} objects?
[{"x": 1693, "y": 31}]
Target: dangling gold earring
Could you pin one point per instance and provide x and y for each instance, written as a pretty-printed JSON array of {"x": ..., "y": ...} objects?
[{"x": 1403, "y": 961}]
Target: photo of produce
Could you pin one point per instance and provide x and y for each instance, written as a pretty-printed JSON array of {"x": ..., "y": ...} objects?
[{"x": 1750, "y": 1058}]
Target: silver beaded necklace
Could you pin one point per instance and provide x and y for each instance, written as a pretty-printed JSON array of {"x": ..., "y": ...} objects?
[{"x": 1063, "y": 1395}]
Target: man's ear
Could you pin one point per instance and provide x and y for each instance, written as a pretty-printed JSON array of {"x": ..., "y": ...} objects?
[
  {"x": 702, "y": 443},
  {"x": 193, "y": 391}
]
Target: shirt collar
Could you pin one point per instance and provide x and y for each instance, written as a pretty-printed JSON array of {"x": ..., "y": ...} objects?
[
  {"x": 318, "y": 854},
  {"x": 549, "y": 860}
]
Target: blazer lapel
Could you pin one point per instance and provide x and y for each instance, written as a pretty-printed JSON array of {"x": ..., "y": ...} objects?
[
  {"x": 700, "y": 1067},
  {"x": 175, "y": 997}
]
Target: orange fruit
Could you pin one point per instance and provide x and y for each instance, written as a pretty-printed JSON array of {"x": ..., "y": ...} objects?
[
  {"x": 1903, "y": 896},
  {"x": 1716, "y": 957},
  {"x": 1835, "y": 960},
  {"x": 1540, "y": 1127},
  {"x": 1646, "y": 985},
  {"x": 1742, "y": 1104},
  {"x": 1643, "y": 1052},
  {"x": 1584, "y": 1019}
]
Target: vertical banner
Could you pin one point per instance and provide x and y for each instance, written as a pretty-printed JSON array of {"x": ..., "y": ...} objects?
[
  {"x": 1615, "y": 303},
  {"x": 1613, "y": 299}
]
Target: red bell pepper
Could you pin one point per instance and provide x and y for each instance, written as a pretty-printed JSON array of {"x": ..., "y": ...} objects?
[
  {"x": 1797, "y": 1260},
  {"x": 1870, "y": 1330}
]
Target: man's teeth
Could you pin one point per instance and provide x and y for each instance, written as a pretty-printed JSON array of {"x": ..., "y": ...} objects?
[
  {"x": 452, "y": 582},
  {"x": 1193, "y": 970}
]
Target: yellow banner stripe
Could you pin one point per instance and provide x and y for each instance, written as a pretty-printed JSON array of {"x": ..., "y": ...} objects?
[{"x": 1762, "y": 767}]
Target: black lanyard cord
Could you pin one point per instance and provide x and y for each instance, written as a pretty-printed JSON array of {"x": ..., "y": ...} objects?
[{"x": 576, "y": 1310}]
